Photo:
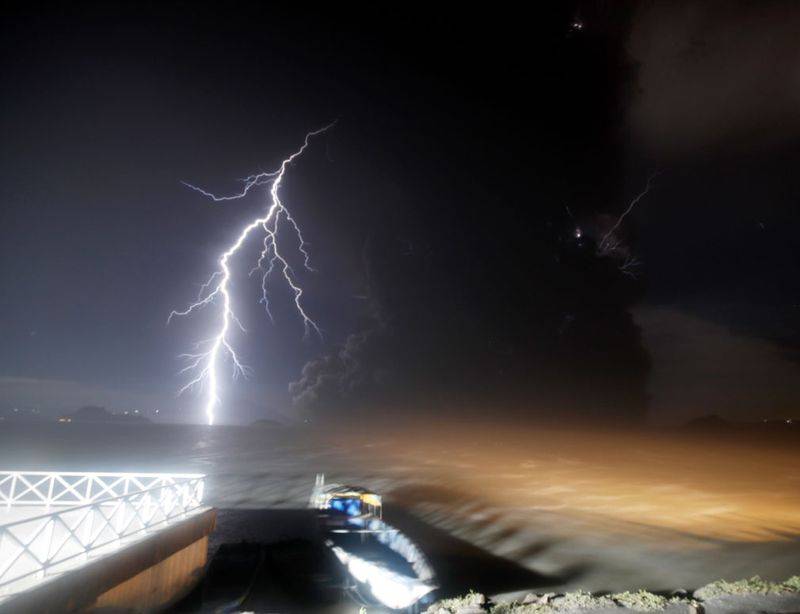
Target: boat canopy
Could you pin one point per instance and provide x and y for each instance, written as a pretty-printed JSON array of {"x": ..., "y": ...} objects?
[{"x": 348, "y": 500}]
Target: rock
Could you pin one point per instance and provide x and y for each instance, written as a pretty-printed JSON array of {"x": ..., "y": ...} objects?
[
  {"x": 471, "y": 603},
  {"x": 532, "y": 598}
]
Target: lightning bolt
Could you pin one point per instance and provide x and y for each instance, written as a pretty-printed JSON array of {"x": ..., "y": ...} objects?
[
  {"x": 202, "y": 364},
  {"x": 609, "y": 243}
]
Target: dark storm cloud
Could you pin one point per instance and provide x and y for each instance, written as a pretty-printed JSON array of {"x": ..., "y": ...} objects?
[
  {"x": 716, "y": 74},
  {"x": 701, "y": 367},
  {"x": 552, "y": 341},
  {"x": 356, "y": 371},
  {"x": 457, "y": 156},
  {"x": 344, "y": 375}
]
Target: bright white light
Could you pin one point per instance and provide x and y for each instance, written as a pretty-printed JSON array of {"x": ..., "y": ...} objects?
[
  {"x": 390, "y": 588},
  {"x": 203, "y": 363}
]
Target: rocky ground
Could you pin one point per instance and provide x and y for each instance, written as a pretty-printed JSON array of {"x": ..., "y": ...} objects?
[{"x": 721, "y": 597}]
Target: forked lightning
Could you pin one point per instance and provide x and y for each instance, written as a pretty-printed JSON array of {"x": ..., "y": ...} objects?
[{"x": 203, "y": 363}]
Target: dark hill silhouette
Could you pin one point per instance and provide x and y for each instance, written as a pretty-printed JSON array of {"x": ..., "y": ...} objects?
[{"x": 94, "y": 413}]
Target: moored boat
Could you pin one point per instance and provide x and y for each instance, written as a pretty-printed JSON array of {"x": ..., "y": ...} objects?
[{"x": 384, "y": 566}]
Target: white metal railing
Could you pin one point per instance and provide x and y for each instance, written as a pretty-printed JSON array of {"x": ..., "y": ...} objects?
[
  {"x": 72, "y": 488},
  {"x": 78, "y": 515}
]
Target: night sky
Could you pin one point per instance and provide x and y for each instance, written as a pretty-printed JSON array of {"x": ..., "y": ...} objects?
[{"x": 455, "y": 214}]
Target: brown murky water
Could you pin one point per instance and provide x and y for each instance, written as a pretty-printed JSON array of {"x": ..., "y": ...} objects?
[{"x": 599, "y": 510}]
